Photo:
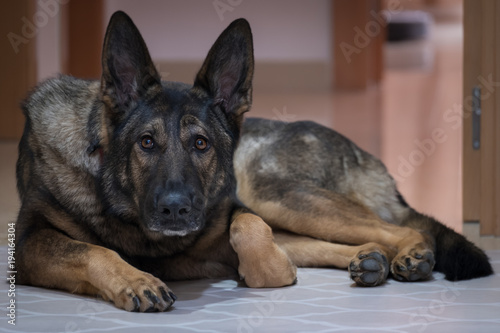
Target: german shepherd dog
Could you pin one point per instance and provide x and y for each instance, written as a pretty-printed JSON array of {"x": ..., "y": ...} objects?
[{"x": 131, "y": 181}]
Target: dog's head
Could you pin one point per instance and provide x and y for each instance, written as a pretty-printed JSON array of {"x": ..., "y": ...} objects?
[{"x": 168, "y": 147}]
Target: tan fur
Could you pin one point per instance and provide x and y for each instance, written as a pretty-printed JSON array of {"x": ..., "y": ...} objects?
[
  {"x": 116, "y": 280},
  {"x": 336, "y": 219},
  {"x": 306, "y": 251},
  {"x": 262, "y": 262},
  {"x": 92, "y": 270}
]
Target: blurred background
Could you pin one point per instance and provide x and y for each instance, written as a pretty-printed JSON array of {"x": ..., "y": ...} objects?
[{"x": 386, "y": 73}]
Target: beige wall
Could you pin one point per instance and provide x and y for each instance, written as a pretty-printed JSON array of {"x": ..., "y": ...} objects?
[
  {"x": 286, "y": 30},
  {"x": 184, "y": 30}
]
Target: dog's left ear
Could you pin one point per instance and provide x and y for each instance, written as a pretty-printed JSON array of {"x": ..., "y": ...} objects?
[{"x": 226, "y": 74}]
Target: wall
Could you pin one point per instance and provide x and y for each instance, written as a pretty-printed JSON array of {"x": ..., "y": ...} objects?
[
  {"x": 48, "y": 44},
  {"x": 285, "y": 30},
  {"x": 291, "y": 38}
]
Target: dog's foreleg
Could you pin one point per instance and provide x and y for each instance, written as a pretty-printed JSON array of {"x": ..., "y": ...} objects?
[
  {"x": 261, "y": 262},
  {"x": 50, "y": 259}
]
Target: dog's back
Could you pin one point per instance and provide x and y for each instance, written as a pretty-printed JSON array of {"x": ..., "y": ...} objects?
[
  {"x": 314, "y": 154},
  {"x": 56, "y": 132},
  {"x": 54, "y": 158}
]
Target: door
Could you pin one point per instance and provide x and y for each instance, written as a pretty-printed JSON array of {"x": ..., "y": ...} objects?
[
  {"x": 17, "y": 63},
  {"x": 83, "y": 37},
  {"x": 481, "y": 115}
]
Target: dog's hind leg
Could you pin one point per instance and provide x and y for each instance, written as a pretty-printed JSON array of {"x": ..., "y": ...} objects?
[
  {"x": 332, "y": 217},
  {"x": 368, "y": 264},
  {"x": 261, "y": 262}
]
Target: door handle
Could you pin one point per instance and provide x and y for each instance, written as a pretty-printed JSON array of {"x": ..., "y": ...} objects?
[{"x": 476, "y": 118}]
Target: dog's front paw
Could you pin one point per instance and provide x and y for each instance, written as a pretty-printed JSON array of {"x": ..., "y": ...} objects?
[
  {"x": 269, "y": 269},
  {"x": 141, "y": 292},
  {"x": 413, "y": 265},
  {"x": 262, "y": 263},
  {"x": 369, "y": 269}
]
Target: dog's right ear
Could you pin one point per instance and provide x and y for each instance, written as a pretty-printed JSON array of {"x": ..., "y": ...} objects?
[{"x": 127, "y": 69}]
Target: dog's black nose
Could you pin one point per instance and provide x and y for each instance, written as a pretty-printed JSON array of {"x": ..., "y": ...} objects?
[{"x": 174, "y": 205}]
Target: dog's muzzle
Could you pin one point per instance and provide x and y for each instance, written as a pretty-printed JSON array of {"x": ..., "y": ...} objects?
[{"x": 176, "y": 214}]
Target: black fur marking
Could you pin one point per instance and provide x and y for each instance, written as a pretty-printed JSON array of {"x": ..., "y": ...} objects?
[
  {"x": 456, "y": 257},
  {"x": 402, "y": 200}
]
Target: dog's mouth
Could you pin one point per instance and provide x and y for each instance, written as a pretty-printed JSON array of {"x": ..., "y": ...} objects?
[{"x": 179, "y": 228}]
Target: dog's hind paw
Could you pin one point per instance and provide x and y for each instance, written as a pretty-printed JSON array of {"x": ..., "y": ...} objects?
[
  {"x": 369, "y": 269},
  {"x": 415, "y": 265}
]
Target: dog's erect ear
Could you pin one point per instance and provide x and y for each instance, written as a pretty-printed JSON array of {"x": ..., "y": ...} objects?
[
  {"x": 127, "y": 70},
  {"x": 227, "y": 71}
]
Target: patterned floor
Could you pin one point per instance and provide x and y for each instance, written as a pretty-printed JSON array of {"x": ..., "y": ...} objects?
[{"x": 324, "y": 300}]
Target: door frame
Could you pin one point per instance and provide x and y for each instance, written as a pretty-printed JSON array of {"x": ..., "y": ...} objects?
[{"x": 481, "y": 164}]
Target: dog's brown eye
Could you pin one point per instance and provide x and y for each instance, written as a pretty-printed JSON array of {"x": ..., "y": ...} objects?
[
  {"x": 201, "y": 143},
  {"x": 147, "y": 142}
]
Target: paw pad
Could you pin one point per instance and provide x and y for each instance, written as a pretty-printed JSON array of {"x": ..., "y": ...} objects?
[
  {"x": 369, "y": 270},
  {"x": 414, "y": 266}
]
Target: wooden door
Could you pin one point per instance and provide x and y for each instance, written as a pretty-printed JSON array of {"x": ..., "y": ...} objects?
[
  {"x": 481, "y": 115},
  {"x": 83, "y": 38},
  {"x": 17, "y": 62},
  {"x": 359, "y": 31}
]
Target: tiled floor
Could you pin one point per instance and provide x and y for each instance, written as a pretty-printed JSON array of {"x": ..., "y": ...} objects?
[{"x": 323, "y": 300}]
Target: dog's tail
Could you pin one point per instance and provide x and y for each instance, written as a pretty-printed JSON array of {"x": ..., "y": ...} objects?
[{"x": 455, "y": 256}]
